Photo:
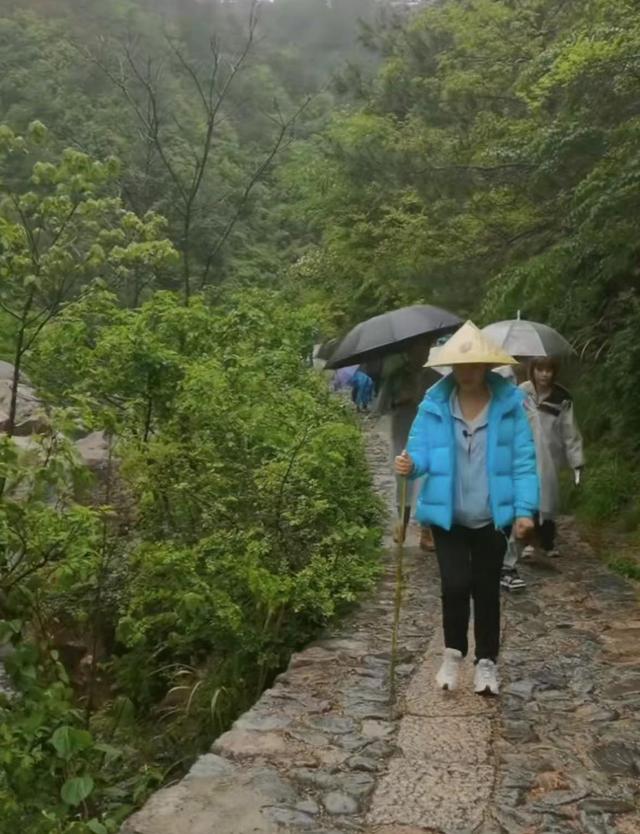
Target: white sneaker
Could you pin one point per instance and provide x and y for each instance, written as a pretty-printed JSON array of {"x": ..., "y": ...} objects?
[
  {"x": 485, "y": 679},
  {"x": 528, "y": 552},
  {"x": 447, "y": 677}
]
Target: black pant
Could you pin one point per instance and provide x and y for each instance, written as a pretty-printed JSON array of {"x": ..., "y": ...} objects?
[
  {"x": 546, "y": 533},
  {"x": 470, "y": 564}
]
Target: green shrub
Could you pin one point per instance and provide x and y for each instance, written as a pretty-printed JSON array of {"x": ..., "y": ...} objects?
[
  {"x": 255, "y": 507},
  {"x": 56, "y": 776},
  {"x": 247, "y": 522},
  {"x": 609, "y": 489}
]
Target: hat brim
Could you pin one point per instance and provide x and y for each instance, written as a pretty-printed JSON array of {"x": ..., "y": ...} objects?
[{"x": 443, "y": 361}]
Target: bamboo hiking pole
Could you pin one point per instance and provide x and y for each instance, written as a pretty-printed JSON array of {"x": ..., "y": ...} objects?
[{"x": 397, "y": 604}]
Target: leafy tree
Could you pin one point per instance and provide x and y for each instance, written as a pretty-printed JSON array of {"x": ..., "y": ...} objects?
[
  {"x": 60, "y": 229},
  {"x": 185, "y": 145}
]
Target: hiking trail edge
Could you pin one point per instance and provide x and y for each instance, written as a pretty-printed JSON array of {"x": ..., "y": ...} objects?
[{"x": 325, "y": 752}]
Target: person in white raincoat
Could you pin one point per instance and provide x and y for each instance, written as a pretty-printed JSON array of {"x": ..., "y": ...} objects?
[{"x": 558, "y": 442}]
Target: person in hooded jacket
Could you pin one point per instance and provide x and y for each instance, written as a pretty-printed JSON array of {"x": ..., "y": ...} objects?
[
  {"x": 558, "y": 443},
  {"x": 472, "y": 440},
  {"x": 361, "y": 390}
]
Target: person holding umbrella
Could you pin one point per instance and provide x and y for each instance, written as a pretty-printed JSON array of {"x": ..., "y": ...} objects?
[
  {"x": 473, "y": 442},
  {"x": 550, "y": 410},
  {"x": 404, "y": 383},
  {"x": 391, "y": 333},
  {"x": 558, "y": 443},
  {"x": 401, "y": 339}
]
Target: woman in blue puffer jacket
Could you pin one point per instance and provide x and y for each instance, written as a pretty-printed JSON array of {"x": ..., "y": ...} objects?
[{"x": 472, "y": 440}]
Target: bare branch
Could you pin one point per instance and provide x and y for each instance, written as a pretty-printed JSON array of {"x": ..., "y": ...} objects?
[
  {"x": 212, "y": 94},
  {"x": 8, "y": 310},
  {"x": 285, "y": 128},
  {"x": 240, "y": 60},
  {"x": 186, "y": 66},
  {"x": 153, "y": 122},
  {"x": 35, "y": 255},
  {"x": 63, "y": 227}
]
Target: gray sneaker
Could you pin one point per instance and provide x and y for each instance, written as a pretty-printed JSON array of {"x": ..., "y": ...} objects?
[{"x": 512, "y": 581}]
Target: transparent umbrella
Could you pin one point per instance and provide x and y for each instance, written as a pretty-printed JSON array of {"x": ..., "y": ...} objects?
[{"x": 523, "y": 338}]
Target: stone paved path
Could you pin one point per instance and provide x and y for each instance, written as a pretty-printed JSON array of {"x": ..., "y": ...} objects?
[{"x": 327, "y": 752}]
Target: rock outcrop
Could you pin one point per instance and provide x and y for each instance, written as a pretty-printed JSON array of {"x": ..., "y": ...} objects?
[{"x": 31, "y": 416}]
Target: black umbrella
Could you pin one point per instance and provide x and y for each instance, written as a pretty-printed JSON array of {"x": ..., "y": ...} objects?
[
  {"x": 391, "y": 333},
  {"x": 327, "y": 348}
]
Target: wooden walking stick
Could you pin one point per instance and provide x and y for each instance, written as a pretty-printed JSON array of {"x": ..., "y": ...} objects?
[{"x": 401, "y": 532}]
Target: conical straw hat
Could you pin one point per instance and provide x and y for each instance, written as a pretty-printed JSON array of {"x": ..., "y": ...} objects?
[{"x": 470, "y": 345}]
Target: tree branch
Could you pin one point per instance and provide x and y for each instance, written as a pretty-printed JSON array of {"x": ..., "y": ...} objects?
[{"x": 284, "y": 129}]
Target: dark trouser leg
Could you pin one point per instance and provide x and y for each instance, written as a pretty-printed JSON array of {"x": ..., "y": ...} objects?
[
  {"x": 488, "y": 547},
  {"x": 547, "y": 534},
  {"x": 454, "y": 560}
]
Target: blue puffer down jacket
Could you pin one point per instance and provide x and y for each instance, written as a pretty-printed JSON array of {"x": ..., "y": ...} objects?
[{"x": 511, "y": 456}]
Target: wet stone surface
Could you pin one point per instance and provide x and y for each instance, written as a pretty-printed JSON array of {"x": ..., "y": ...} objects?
[{"x": 328, "y": 750}]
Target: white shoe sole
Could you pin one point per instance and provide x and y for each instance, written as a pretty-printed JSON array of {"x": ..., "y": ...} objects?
[{"x": 514, "y": 588}]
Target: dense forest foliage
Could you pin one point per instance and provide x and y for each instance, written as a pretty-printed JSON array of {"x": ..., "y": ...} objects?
[
  {"x": 492, "y": 167},
  {"x": 191, "y": 195}
]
